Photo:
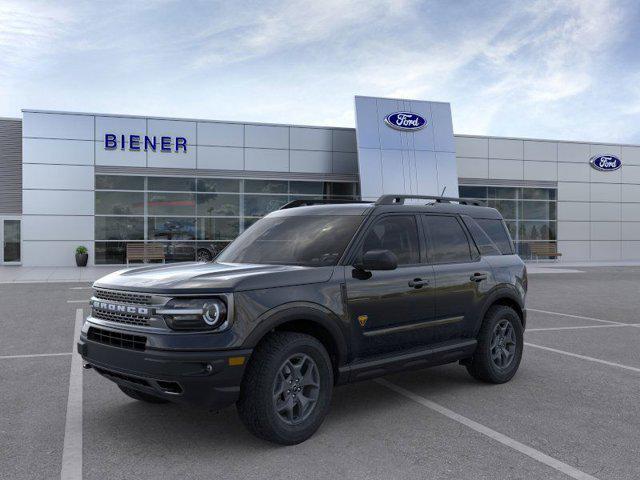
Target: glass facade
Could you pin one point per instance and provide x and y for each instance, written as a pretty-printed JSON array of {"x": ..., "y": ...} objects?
[
  {"x": 191, "y": 217},
  {"x": 530, "y": 213}
]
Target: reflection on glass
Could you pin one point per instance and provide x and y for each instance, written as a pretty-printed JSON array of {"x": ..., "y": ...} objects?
[
  {"x": 210, "y": 204},
  {"x": 171, "y": 203},
  {"x": 473, "y": 192},
  {"x": 265, "y": 186},
  {"x": 502, "y": 192},
  {"x": 306, "y": 188},
  {"x": 11, "y": 247},
  {"x": 119, "y": 182},
  {"x": 213, "y": 185},
  {"x": 171, "y": 184},
  {"x": 215, "y": 228},
  {"x": 259, "y": 205},
  {"x": 168, "y": 228},
  {"x": 119, "y": 228},
  {"x": 119, "y": 203}
]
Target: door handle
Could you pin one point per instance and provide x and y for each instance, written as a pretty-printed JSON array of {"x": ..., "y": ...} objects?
[
  {"x": 418, "y": 283},
  {"x": 478, "y": 277}
]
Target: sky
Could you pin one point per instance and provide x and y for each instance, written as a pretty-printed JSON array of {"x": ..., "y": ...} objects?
[{"x": 540, "y": 69}]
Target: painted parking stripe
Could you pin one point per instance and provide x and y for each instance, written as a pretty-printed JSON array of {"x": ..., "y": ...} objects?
[
  {"x": 575, "y": 316},
  {"x": 79, "y": 301},
  {"x": 72, "y": 449},
  {"x": 493, "y": 434},
  {"x": 80, "y": 288},
  {"x": 33, "y": 355},
  {"x": 584, "y": 357},
  {"x": 581, "y": 327}
]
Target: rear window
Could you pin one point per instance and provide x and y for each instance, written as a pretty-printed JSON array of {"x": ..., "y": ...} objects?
[{"x": 497, "y": 232}]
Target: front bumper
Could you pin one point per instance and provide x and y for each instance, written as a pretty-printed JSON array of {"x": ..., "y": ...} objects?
[{"x": 203, "y": 378}]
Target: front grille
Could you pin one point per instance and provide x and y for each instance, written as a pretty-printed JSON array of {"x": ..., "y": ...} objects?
[
  {"x": 117, "y": 339},
  {"x": 126, "y": 318},
  {"x": 123, "y": 297}
]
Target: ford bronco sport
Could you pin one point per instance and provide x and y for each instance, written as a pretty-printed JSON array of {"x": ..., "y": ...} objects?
[{"x": 315, "y": 295}]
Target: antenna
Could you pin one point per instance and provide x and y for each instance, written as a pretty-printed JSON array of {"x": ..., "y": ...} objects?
[{"x": 442, "y": 194}]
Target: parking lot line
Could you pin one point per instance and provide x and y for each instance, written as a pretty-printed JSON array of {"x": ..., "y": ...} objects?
[
  {"x": 79, "y": 301},
  {"x": 580, "y": 327},
  {"x": 583, "y": 357},
  {"x": 576, "y": 316},
  {"x": 7, "y": 357},
  {"x": 497, "y": 436},
  {"x": 72, "y": 448},
  {"x": 80, "y": 288}
]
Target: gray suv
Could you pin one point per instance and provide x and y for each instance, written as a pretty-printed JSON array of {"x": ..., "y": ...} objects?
[{"x": 315, "y": 295}]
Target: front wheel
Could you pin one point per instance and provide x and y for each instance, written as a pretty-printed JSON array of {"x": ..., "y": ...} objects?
[
  {"x": 286, "y": 390},
  {"x": 500, "y": 344}
]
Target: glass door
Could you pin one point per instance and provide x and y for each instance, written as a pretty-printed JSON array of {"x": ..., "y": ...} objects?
[{"x": 10, "y": 238}]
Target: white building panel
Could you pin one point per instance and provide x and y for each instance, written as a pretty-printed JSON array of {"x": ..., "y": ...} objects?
[
  {"x": 266, "y": 136},
  {"x": 428, "y": 182},
  {"x": 574, "y": 250},
  {"x": 506, "y": 149},
  {"x": 220, "y": 134},
  {"x": 607, "y": 176},
  {"x": 172, "y": 128},
  {"x": 574, "y": 172},
  {"x": 52, "y": 253},
  {"x": 630, "y": 155},
  {"x": 606, "y": 251},
  {"x": 172, "y": 159},
  {"x": 120, "y": 126},
  {"x": 311, "y": 139},
  {"x": 56, "y": 227},
  {"x": 61, "y": 177},
  {"x": 546, "y": 171},
  {"x": 344, "y": 162},
  {"x": 631, "y": 231},
  {"x": 370, "y": 184},
  {"x": 220, "y": 158},
  {"x": 630, "y": 193},
  {"x": 57, "y": 125},
  {"x": 57, "y": 202},
  {"x": 573, "y": 211},
  {"x": 442, "y": 127},
  {"x": 344, "y": 141},
  {"x": 544, "y": 151},
  {"x": 602, "y": 192},
  {"x": 118, "y": 157},
  {"x": 62, "y": 152},
  {"x": 473, "y": 167},
  {"x": 573, "y": 192},
  {"x": 630, "y": 212},
  {"x": 310, "y": 161},
  {"x": 630, "y": 250},
  {"x": 574, "y": 152},
  {"x": 605, "y": 231},
  {"x": 597, "y": 149},
  {"x": 605, "y": 212},
  {"x": 266, "y": 160},
  {"x": 447, "y": 174},
  {"x": 573, "y": 231},
  {"x": 472, "y": 147},
  {"x": 506, "y": 169},
  {"x": 630, "y": 174}
]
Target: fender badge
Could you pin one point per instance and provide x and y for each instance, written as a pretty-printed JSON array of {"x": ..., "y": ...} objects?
[{"x": 362, "y": 319}]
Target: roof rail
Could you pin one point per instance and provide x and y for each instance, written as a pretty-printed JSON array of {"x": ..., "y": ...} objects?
[
  {"x": 311, "y": 201},
  {"x": 399, "y": 199}
]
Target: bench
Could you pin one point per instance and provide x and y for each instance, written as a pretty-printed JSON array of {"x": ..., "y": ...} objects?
[
  {"x": 144, "y": 252},
  {"x": 546, "y": 249}
]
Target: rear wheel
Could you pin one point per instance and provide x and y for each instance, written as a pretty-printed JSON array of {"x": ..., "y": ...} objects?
[
  {"x": 500, "y": 344},
  {"x": 142, "y": 396},
  {"x": 287, "y": 387}
]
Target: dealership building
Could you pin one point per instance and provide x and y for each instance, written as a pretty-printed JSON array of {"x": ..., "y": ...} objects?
[{"x": 191, "y": 186}]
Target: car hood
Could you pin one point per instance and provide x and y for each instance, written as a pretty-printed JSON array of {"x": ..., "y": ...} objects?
[{"x": 211, "y": 277}]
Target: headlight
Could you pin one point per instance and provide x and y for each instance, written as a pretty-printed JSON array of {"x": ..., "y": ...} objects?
[{"x": 194, "y": 313}]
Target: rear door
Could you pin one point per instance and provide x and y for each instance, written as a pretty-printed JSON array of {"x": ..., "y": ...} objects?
[
  {"x": 462, "y": 277},
  {"x": 389, "y": 309}
]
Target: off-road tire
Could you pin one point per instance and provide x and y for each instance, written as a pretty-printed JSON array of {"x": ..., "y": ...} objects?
[
  {"x": 256, "y": 405},
  {"x": 142, "y": 396},
  {"x": 481, "y": 366}
]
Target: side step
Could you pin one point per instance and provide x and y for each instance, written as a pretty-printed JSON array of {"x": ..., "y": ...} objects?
[{"x": 407, "y": 360}]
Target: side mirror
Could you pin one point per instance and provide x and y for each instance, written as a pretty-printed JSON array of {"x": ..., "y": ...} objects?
[{"x": 378, "y": 260}]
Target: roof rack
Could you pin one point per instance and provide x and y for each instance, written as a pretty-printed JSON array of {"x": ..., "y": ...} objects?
[
  {"x": 399, "y": 199},
  {"x": 323, "y": 201}
]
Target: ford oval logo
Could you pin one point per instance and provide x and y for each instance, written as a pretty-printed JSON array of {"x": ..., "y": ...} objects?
[
  {"x": 605, "y": 163},
  {"x": 405, "y": 121}
]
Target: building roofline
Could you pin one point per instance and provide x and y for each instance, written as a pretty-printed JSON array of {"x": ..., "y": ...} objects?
[
  {"x": 402, "y": 99},
  {"x": 549, "y": 140},
  {"x": 11, "y": 118},
  {"x": 181, "y": 119}
]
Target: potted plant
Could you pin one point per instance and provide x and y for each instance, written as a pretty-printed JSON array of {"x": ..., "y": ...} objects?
[{"x": 82, "y": 255}]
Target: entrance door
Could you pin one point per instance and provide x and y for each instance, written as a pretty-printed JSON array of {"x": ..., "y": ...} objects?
[{"x": 10, "y": 239}]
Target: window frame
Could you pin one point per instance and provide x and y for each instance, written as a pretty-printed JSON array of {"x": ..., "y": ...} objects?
[
  {"x": 474, "y": 253},
  {"x": 353, "y": 251}
]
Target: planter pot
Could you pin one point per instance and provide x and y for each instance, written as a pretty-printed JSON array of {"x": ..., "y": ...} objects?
[{"x": 81, "y": 259}]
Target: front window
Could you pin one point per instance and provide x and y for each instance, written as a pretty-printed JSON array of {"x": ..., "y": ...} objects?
[{"x": 314, "y": 241}]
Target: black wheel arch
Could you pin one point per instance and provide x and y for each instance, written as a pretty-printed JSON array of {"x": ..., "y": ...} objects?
[
  {"x": 309, "y": 318},
  {"x": 507, "y": 297}
]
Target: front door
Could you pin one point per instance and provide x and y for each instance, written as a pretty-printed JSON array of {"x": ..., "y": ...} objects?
[
  {"x": 10, "y": 240},
  {"x": 388, "y": 309}
]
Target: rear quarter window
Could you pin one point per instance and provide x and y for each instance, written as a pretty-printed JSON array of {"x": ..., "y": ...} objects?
[{"x": 497, "y": 231}]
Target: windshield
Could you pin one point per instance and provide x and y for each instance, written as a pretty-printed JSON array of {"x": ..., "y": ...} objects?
[{"x": 314, "y": 241}]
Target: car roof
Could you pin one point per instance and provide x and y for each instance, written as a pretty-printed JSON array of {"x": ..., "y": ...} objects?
[{"x": 363, "y": 208}]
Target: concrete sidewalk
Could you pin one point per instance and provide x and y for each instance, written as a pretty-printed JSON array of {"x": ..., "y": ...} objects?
[{"x": 19, "y": 274}]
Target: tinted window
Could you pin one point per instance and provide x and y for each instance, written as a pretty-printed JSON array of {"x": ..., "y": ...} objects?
[
  {"x": 448, "y": 243},
  {"x": 397, "y": 234},
  {"x": 314, "y": 241},
  {"x": 498, "y": 233},
  {"x": 484, "y": 243}
]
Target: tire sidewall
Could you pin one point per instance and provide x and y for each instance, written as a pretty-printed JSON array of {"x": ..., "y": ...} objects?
[{"x": 503, "y": 313}]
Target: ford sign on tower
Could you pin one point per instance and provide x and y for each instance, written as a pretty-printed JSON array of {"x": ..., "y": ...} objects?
[
  {"x": 605, "y": 163},
  {"x": 405, "y": 121}
]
